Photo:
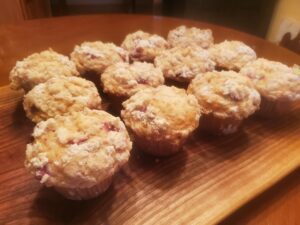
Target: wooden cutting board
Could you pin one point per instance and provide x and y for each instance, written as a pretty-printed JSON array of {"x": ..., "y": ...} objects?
[
  {"x": 207, "y": 181},
  {"x": 203, "y": 184}
]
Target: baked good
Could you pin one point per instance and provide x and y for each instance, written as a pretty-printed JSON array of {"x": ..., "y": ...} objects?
[
  {"x": 95, "y": 57},
  {"x": 232, "y": 55},
  {"x": 184, "y": 63},
  {"x": 60, "y": 96},
  {"x": 161, "y": 119},
  {"x": 184, "y": 36},
  {"x": 78, "y": 154},
  {"x": 278, "y": 84},
  {"x": 143, "y": 46},
  {"x": 226, "y": 98},
  {"x": 40, "y": 67}
]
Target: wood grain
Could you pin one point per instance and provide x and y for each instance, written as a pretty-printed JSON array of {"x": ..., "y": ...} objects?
[{"x": 203, "y": 184}]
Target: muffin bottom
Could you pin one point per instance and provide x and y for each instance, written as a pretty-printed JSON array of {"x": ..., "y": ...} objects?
[
  {"x": 273, "y": 109},
  {"x": 217, "y": 126},
  {"x": 157, "y": 147},
  {"x": 85, "y": 193}
]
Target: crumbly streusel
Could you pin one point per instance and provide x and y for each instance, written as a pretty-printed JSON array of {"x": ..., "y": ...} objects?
[
  {"x": 78, "y": 150},
  {"x": 40, "y": 67},
  {"x": 225, "y": 94},
  {"x": 184, "y": 36},
  {"x": 162, "y": 113},
  {"x": 143, "y": 46},
  {"x": 274, "y": 80},
  {"x": 123, "y": 79},
  {"x": 60, "y": 96},
  {"x": 232, "y": 55},
  {"x": 97, "y": 56},
  {"x": 184, "y": 63}
]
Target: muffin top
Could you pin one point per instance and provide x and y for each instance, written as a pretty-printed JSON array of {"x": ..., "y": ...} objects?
[
  {"x": 40, "y": 67},
  {"x": 60, "y": 96},
  {"x": 184, "y": 63},
  {"x": 162, "y": 112},
  {"x": 123, "y": 79},
  {"x": 274, "y": 80},
  {"x": 225, "y": 94},
  {"x": 143, "y": 46},
  {"x": 78, "y": 150},
  {"x": 96, "y": 56},
  {"x": 184, "y": 36},
  {"x": 232, "y": 55}
]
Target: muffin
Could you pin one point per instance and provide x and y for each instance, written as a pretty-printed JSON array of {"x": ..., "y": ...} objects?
[
  {"x": 232, "y": 55},
  {"x": 122, "y": 80},
  {"x": 161, "y": 119},
  {"x": 40, "y": 67},
  {"x": 95, "y": 57},
  {"x": 184, "y": 63},
  {"x": 78, "y": 154},
  {"x": 278, "y": 84},
  {"x": 143, "y": 46},
  {"x": 225, "y": 98},
  {"x": 184, "y": 36},
  {"x": 60, "y": 96}
]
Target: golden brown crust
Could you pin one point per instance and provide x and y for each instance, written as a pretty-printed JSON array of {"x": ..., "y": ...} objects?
[{"x": 225, "y": 94}]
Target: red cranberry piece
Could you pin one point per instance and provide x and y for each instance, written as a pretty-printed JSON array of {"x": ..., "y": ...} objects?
[
  {"x": 110, "y": 127},
  {"x": 142, "y": 81}
]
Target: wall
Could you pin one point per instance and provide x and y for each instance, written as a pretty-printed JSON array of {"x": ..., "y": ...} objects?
[{"x": 286, "y": 17}]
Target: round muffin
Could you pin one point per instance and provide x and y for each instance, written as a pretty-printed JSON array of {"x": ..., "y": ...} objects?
[
  {"x": 78, "y": 154},
  {"x": 40, "y": 67},
  {"x": 184, "y": 36},
  {"x": 232, "y": 55},
  {"x": 161, "y": 119},
  {"x": 143, "y": 46},
  {"x": 124, "y": 80},
  {"x": 278, "y": 84},
  {"x": 60, "y": 96},
  {"x": 95, "y": 57},
  {"x": 225, "y": 99},
  {"x": 184, "y": 63}
]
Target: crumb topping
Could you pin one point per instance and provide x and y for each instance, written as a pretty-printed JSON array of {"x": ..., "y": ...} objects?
[
  {"x": 123, "y": 79},
  {"x": 225, "y": 94},
  {"x": 184, "y": 63},
  {"x": 143, "y": 46},
  {"x": 184, "y": 36},
  {"x": 78, "y": 150},
  {"x": 97, "y": 56},
  {"x": 274, "y": 80},
  {"x": 40, "y": 67},
  {"x": 60, "y": 96},
  {"x": 232, "y": 55},
  {"x": 162, "y": 112}
]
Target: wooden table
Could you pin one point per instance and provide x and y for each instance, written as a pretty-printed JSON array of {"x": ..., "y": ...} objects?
[{"x": 279, "y": 205}]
